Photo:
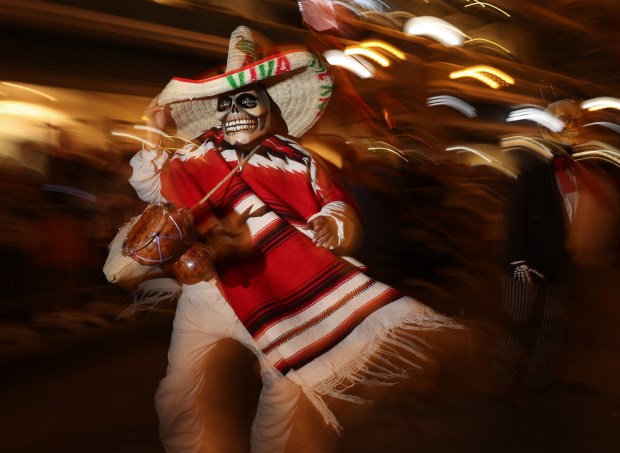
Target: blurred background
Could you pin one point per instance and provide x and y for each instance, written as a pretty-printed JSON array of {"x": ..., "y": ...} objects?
[{"x": 428, "y": 95}]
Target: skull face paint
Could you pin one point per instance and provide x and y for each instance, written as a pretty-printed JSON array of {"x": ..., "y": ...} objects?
[
  {"x": 244, "y": 116},
  {"x": 570, "y": 113}
]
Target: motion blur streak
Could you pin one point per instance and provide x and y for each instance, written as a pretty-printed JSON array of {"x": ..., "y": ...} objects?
[
  {"x": 538, "y": 116},
  {"x": 600, "y": 103},
  {"x": 435, "y": 28}
]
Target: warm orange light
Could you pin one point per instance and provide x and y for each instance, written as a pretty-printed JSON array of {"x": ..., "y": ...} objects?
[{"x": 480, "y": 73}]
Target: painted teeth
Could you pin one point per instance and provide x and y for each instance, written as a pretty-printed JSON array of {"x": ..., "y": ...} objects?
[{"x": 240, "y": 125}]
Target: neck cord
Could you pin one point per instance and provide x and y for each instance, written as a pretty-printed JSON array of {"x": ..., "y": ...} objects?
[{"x": 230, "y": 174}]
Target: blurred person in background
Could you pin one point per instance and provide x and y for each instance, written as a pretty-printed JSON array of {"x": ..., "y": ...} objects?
[
  {"x": 22, "y": 177},
  {"x": 557, "y": 214}
]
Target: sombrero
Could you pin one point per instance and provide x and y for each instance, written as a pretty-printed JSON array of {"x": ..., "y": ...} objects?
[{"x": 298, "y": 81}]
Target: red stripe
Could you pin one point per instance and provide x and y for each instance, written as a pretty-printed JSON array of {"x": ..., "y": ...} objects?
[
  {"x": 314, "y": 350},
  {"x": 318, "y": 318}
]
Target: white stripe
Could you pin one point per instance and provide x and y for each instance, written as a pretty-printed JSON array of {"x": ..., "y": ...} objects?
[{"x": 329, "y": 299}]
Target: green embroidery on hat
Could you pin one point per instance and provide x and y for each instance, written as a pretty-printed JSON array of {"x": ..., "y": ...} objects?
[
  {"x": 266, "y": 72},
  {"x": 236, "y": 83},
  {"x": 326, "y": 90},
  {"x": 322, "y": 105},
  {"x": 231, "y": 82},
  {"x": 245, "y": 46}
]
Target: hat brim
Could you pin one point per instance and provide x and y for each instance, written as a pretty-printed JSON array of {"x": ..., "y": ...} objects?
[{"x": 298, "y": 82}]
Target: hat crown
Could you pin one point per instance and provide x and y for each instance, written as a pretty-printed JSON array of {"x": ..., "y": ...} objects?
[{"x": 241, "y": 49}]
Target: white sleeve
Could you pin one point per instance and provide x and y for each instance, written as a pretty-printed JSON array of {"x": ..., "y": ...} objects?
[
  {"x": 145, "y": 176},
  {"x": 337, "y": 210}
]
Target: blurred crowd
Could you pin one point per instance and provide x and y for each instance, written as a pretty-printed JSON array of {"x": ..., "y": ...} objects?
[{"x": 429, "y": 157}]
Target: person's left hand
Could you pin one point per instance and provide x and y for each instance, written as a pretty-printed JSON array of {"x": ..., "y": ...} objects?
[{"x": 325, "y": 231}]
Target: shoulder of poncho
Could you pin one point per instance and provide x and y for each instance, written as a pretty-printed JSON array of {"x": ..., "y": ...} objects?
[
  {"x": 199, "y": 146},
  {"x": 285, "y": 146}
]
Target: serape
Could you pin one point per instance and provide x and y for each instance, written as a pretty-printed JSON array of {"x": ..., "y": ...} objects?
[{"x": 317, "y": 318}]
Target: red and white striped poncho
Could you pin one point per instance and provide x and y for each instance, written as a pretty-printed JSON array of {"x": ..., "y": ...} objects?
[{"x": 315, "y": 316}]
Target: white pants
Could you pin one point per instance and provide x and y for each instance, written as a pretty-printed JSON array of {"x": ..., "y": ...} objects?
[{"x": 202, "y": 319}]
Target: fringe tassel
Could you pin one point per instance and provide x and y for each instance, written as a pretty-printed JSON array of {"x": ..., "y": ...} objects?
[
  {"x": 148, "y": 299},
  {"x": 384, "y": 361}
]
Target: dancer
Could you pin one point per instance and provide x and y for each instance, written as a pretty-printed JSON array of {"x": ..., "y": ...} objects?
[
  {"x": 541, "y": 211},
  {"x": 314, "y": 321}
]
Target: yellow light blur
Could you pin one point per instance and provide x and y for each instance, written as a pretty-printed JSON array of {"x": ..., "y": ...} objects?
[
  {"x": 600, "y": 103},
  {"x": 388, "y": 149},
  {"x": 406, "y": 14},
  {"x": 484, "y": 4},
  {"x": 489, "y": 41},
  {"x": 435, "y": 28},
  {"x": 471, "y": 150},
  {"x": 339, "y": 58},
  {"x": 478, "y": 72},
  {"x": 31, "y": 90},
  {"x": 606, "y": 155},
  {"x": 368, "y": 53},
  {"x": 134, "y": 137},
  {"x": 523, "y": 142},
  {"x": 384, "y": 46},
  {"x": 28, "y": 110},
  {"x": 151, "y": 129}
]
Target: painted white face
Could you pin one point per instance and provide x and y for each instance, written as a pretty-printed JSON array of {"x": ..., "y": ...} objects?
[
  {"x": 244, "y": 116},
  {"x": 569, "y": 112}
]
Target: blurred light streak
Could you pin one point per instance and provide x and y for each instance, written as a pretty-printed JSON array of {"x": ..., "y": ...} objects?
[
  {"x": 31, "y": 90},
  {"x": 388, "y": 118},
  {"x": 613, "y": 126},
  {"x": 152, "y": 129},
  {"x": 375, "y": 5},
  {"x": 70, "y": 191},
  {"x": 134, "y": 137},
  {"x": 484, "y": 4},
  {"x": 389, "y": 148},
  {"x": 416, "y": 138},
  {"x": 488, "y": 161},
  {"x": 435, "y": 28},
  {"x": 478, "y": 72},
  {"x": 421, "y": 157},
  {"x": 520, "y": 141},
  {"x": 384, "y": 46},
  {"x": 339, "y": 58},
  {"x": 489, "y": 41},
  {"x": 28, "y": 110},
  {"x": 405, "y": 14},
  {"x": 155, "y": 130},
  {"x": 454, "y": 102},
  {"x": 605, "y": 155},
  {"x": 541, "y": 117},
  {"x": 368, "y": 53},
  {"x": 347, "y": 5},
  {"x": 600, "y": 103},
  {"x": 460, "y": 149},
  {"x": 596, "y": 145}
]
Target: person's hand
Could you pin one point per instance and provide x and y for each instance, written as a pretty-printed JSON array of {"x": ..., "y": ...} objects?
[
  {"x": 524, "y": 273},
  {"x": 325, "y": 231},
  {"x": 156, "y": 120}
]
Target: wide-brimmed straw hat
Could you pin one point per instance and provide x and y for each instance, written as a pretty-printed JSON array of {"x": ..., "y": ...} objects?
[{"x": 298, "y": 81}]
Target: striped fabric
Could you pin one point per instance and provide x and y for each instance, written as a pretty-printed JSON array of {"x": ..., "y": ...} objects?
[
  {"x": 535, "y": 333},
  {"x": 314, "y": 315}
]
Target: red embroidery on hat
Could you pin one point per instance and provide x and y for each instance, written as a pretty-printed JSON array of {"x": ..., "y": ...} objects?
[{"x": 284, "y": 65}]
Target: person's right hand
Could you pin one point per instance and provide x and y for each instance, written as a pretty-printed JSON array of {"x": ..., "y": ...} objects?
[
  {"x": 156, "y": 119},
  {"x": 524, "y": 273}
]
